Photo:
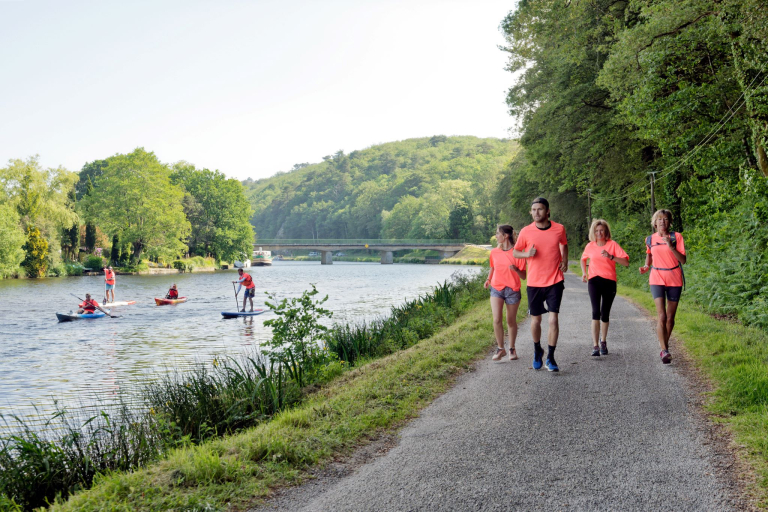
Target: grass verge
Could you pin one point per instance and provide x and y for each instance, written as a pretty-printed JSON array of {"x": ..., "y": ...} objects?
[
  {"x": 469, "y": 255},
  {"x": 734, "y": 358},
  {"x": 356, "y": 407}
]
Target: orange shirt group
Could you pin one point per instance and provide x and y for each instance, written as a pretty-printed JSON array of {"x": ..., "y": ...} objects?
[
  {"x": 503, "y": 276},
  {"x": 599, "y": 265},
  {"x": 544, "y": 266},
  {"x": 663, "y": 257}
]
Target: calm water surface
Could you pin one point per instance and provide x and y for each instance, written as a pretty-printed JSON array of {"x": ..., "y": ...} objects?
[{"x": 88, "y": 360}]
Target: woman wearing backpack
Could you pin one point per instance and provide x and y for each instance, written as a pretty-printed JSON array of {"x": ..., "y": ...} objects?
[{"x": 665, "y": 256}]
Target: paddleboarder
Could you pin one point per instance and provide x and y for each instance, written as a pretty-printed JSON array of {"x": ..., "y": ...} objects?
[
  {"x": 250, "y": 287},
  {"x": 109, "y": 284}
]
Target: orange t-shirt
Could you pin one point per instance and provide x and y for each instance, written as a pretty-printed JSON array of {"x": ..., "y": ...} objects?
[
  {"x": 503, "y": 276},
  {"x": 544, "y": 267},
  {"x": 663, "y": 257},
  {"x": 600, "y": 266}
]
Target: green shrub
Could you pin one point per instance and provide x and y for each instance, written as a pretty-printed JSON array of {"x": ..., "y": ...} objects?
[{"x": 94, "y": 262}]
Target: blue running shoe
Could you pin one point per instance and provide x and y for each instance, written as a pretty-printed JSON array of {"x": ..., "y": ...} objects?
[
  {"x": 552, "y": 365},
  {"x": 537, "y": 357}
]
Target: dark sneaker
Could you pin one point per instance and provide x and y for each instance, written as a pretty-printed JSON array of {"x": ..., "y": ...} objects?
[
  {"x": 596, "y": 351},
  {"x": 603, "y": 348},
  {"x": 552, "y": 365},
  {"x": 666, "y": 357},
  {"x": 537, "y": 357}
]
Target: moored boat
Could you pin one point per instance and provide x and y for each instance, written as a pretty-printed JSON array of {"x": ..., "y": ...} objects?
[
  {"x": 164, "y": 302},
  {"x": 261, "y": 258}
]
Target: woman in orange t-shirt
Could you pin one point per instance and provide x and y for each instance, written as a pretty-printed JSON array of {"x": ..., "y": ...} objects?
[
  {"x": 504, "y": 280},
  {"x": 664, "y": 257},
  {"x": 603, "y": 254}
]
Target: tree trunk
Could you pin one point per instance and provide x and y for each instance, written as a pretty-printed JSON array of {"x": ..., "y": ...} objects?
[{"x": 137, "y": 248}]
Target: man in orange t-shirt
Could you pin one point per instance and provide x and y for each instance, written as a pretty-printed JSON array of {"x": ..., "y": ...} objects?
[{"x": 545, "y": 247}]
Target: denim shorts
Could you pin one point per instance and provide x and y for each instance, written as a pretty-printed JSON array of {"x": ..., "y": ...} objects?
[
  {"x": 509, "y": 295},
  {"x": 250, "y": 292},
  {"x": 110, "y": 286}
]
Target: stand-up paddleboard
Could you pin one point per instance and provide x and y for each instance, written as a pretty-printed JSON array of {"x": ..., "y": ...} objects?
[
  {"x": 163, "y": 302},
  {"x": 120, "y": 303},
  {"x": 68, "y": 317},
  {"x": 235, "y": 314}
]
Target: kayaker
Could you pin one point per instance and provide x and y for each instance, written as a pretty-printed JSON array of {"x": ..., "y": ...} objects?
[
  {"x": 109, "y": 284},
  {"x": 88, "y": 305},
  {"x": 250, "y": 287},
  {"x": 173, "y": 293}
]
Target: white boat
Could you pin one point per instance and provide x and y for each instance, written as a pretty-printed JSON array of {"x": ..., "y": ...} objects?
[
  {"x": 262, "y": 258},
  {"x": 242, "y": 264}
]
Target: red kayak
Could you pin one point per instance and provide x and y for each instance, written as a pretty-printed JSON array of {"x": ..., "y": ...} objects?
[{"x": 163, "y": 302}]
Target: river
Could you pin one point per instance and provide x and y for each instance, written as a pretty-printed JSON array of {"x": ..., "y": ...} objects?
[{"x": 89, "y": 361}]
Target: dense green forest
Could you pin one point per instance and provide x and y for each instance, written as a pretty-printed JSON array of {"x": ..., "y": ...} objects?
[
  {"x": 426, "y": 188},
  {"x": 125, "y": 207},
  {"x": 609, "y": 91}
]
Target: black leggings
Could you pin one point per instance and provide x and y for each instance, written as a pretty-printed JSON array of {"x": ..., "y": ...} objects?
[{"x": 601, "y": 290}]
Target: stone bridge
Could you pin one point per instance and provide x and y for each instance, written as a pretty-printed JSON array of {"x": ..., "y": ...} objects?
[{"x": 447, "y": 248}]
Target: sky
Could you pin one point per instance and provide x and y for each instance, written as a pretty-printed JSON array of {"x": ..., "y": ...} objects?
[{"x": 248, "y": 87}]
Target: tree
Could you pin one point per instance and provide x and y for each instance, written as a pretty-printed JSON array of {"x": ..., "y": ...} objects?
[
  {"x": 217, "y": 210},
  {"x": 114, "y": 255},
  {"x": 11, "y": 241},
  {"x": 36, "y": 253},
  {"x": 134, "y": 196}
]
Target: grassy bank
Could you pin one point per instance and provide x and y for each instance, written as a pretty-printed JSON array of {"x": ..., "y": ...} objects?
[
  {"x": 734, "y": 358},
  {"x": 348, "y": 412},
  {"x": 469, "y": 255}
]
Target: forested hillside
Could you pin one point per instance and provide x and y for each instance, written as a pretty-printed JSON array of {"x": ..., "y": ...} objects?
[
  {"x": 438, "y": 187},
  {"x": 612, "y": 91}
]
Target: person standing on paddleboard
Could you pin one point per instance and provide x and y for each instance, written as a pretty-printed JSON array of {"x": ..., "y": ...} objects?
[
  {"x": 109, "y": 284},
  {"x": 250, "y": 287},
  {"x": 665, "y": 257},
  {"x": 544, "y": 246}
]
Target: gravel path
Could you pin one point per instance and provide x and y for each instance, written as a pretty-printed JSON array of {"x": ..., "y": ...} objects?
[{"x": 619, "y": 432}]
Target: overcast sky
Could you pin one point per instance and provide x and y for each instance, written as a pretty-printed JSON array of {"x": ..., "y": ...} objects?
[{"x": 249, "y": 87}]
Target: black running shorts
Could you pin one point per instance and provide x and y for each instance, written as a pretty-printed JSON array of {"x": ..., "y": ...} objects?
[{"x": 538, "y": 295}]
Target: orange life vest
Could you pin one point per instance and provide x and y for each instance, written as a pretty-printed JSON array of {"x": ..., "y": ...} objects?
[
  {"x": 89, "y": 305},
  {"x": 109, "y": 276},
  {"x": 173, "y": 294},
  {"x": 248, "y": 281}
]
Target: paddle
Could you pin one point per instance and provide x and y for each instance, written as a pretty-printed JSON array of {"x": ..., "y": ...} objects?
[
  {"x": 237, "y": 304},
  {"x": 97, "y": 307}
]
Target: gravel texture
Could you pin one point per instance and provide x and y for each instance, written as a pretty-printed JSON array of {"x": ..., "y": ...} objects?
[{"x": 618, "y": 432}]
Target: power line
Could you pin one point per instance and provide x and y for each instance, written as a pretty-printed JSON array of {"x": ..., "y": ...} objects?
[{"x": 666, "y": 171}]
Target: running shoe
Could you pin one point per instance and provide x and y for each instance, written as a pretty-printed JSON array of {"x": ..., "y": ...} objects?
[
  {"x": 499, "y": 355},
  {"x": 603, "y": 348},
  {"x": 666, "y": 357},
  {"x": 537, "y": 357},
  {"x": 552, "y": 365},
  {"x": 596, "y": 351}
]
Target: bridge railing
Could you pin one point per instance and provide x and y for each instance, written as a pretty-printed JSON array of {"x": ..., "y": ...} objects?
[{"x": 357, "y": 241}]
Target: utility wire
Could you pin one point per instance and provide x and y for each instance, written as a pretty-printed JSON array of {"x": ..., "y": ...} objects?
[{"x": 673, "y": 167}]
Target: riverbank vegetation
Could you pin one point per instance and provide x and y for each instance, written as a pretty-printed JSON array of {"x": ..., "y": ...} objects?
[
  {"x": 126, "y": 208},
  {"x": 614, "y": 96},
  {"x": 186, "y": 413}
]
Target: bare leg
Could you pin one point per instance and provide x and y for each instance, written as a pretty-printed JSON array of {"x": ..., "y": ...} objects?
[
  {"x": 671, "y": 312},
  {"x": 661, "y": 322},
  {"x": 604, "y": 329},
  {"x": 554, "y": 330},
  {"x": 497, "y": 307},
  {"x": 595, "y": 332},
  {"x": 536, "y": 328},
  {"x": 512, "y": 324},
  {"x": 251, "y": 299}
]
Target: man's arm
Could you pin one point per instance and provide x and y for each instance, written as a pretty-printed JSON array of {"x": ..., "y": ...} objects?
[{"x": 564, "y": 256}]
